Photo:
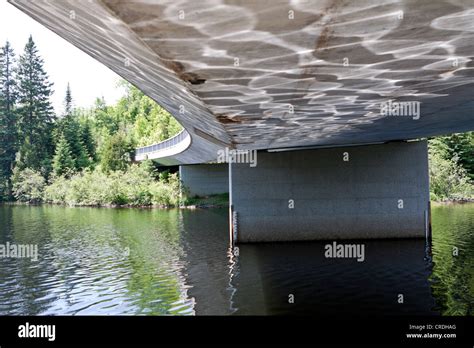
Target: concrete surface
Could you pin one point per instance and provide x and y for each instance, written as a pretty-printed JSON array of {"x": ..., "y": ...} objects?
[
  {"x": 274, "y": 74},
  {"x": 205, "y": 179},
  {"x": 332, "y": 198}
]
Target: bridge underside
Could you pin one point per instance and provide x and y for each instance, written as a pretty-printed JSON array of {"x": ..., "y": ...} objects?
[
  {"x": 280, "y": 75},
  {"x": 277, "y": 74},
  {"x": 375, "y": 191}
]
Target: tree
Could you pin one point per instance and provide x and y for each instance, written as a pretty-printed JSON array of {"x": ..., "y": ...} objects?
[
  {"x": 35, "y": 113},
  {"x": 151, "y": 123},
  {"x": 117, "y": 153},
  {"x": 28, "y": 185},
  {"x": 461, "y": 147},
  {"x": 88, "y": 140},
  {"x": 68, "y": 101},
  {"x": 8, "y": 131},
  {"x": 63, "y": 163},
  {"x": 70, "y": 128},
  {"x": 458, "y": 147}
]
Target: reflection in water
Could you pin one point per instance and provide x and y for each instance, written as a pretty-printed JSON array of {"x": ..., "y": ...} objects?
[
  {"x": 93, "y": 261},
  {"x": 453, "y": 276},
  {"x": 323, "y": 286},
  {"x": 155, "y": 262}
]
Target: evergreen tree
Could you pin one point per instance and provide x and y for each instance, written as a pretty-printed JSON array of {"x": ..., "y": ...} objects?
[
  {"x": 25, "y": 155},
  {"x": 8, "y": 131},
  {"x": 63, "y": 163},
  {"x": 68, "y": 101},
  {"x": 35, "y": 113},
  {"x": 71, "y": 129},
  {"x": 88, "y": 140}
]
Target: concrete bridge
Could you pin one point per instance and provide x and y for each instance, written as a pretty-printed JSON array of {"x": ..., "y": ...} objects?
[{"x": 337, "y": 97}]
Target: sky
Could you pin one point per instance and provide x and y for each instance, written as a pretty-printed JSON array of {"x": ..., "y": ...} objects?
[{"x": 64, "y": 63}]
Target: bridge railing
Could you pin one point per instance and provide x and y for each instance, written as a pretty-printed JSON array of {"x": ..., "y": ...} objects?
[{"x": 143, "y": 152}]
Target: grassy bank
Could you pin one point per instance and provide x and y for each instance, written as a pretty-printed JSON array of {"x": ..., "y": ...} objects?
[
  {"x": 138, "y": 186},
  {"x": 212, "y": 201}
]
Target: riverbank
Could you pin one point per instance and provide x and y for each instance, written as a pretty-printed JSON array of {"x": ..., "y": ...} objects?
[
  {"x": 452, "y": 201},
  {"x": 212, "y": 201}
]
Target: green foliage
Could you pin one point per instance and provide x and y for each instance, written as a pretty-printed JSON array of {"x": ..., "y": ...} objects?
[
  {"x": 74, "y": 133},
  {"x": 35, "y": 113},
  {"x": 134, "y": 187},
  {"x": 68, "y": 101},
  {"x": 459, "y": 146},
  {"x": 153, "y": 123},
  {"x": 166, "y": 193},
  {"x": 68, "y": 151},
  {"x": 117, "y": 153},
  {"x": 8, "y": 118},
  {"x": 448, "y": 179},
  {"x": 63, "y": 163},
  {"x": 28, "y": 185},
  {"x": 146, "y": 121},
  {"x": 221, "y": 200},
  {"x": 88, "y": 141}
]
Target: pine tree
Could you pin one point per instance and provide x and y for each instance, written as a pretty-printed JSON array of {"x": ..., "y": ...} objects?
[
  {"x": 71, "y": 129},
  {"x": 35, "y": 113},
  {"x": 8, "y": 131},
  {"x": 88, "y": 140},
  {"x": 63, "y": 163},
  {"x": 68, "y": 101}
]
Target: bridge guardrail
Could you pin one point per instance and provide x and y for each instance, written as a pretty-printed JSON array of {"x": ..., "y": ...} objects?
[{"x": 142, "y": 152}]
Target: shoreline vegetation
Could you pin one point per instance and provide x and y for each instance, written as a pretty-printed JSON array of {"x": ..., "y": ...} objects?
[
  {"x": 85, "y": 156},
  {"x": 206, "y": 202},
  {"x": 140, "y": 186},
  {"x": 196, "y": 202}
]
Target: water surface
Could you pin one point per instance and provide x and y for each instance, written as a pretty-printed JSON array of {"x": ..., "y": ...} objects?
[{"x": 162, "y": 262}]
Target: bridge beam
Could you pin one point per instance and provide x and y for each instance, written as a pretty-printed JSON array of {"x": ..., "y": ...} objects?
[{"x": 374, "y": 191}]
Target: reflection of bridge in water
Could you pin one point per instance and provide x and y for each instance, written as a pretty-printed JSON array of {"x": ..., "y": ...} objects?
[
  {"x": 287, "y": 78},
  {"x": 261, "y": 278}
]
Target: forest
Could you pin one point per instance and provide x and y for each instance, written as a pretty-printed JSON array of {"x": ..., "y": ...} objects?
[{"x": 84, "y": 156}]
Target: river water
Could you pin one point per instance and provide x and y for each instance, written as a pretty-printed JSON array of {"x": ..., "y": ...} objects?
[{"x": 99, "y": 261}]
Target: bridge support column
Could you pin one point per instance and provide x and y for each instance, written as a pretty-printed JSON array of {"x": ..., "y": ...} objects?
[
  {"x": 205, "y": 179},
  {"x": 376, "y": 191}
]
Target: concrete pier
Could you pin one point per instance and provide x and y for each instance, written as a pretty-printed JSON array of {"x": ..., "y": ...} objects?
[
  {"x": 205, "y": 179},
  {"x": 376, "y": 191}
]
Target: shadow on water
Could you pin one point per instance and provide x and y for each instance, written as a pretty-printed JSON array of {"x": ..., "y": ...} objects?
[
  {"x": 265, "y": 275},
  {"x": 155, "y": 262}
]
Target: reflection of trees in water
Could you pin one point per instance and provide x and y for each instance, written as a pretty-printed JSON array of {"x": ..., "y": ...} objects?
[
  {"x": 155, "y": 281},
  {"x": 117, "y": 261},
  {"x": 204, "y": 238},
  {"x": 453, "y": 276},
  {"x": 21, "y": 290},
  {"x": 93, "y": 261}
]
